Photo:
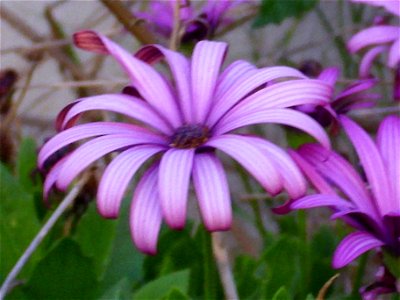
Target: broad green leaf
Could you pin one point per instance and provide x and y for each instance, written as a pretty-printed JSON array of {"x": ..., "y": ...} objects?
[
  {"x": 161, "y": 287},
  {"x": 64, "y": 273},
  {"x": 244, "y": 272},
  {"x": 116, "y": 292},
  {"x": 276, "y": 11},
  {"x": 18, "y": 223},
  {"x": 26, "y": 163},
  {"x": 176, "y": 294},
  {"x": 95, "y": 236},
  {"x": 282, "y": 294}
]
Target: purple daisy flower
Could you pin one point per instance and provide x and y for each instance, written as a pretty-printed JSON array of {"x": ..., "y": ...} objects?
[
  {"x": 373, "y": 207},
  {"x": 199, "y": 21},
  {"x": 354, "y": 96},
  {"x": 180, "y": 123},
  {"x": 380, "y": 38}
]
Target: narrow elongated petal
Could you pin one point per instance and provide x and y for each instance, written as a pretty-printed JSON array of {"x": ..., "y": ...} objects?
[
  {"x": 117, "y": 176},
  {"x": 180, "y": 68},
  {"x": 373, "y": 36},
  {"x": 207, "y": 59},
  {"x": 368, "y": 59},
  {"x": 321, "y": 200},
  {"x": 212, "y": 192},
  {"x": 90, "y": 152},
  {"x": 341, "y": 173},
  {"x": 313, "y": 176},
  {"x": 353, "y": 246},
  {"x": 357, "y": 88},
  {"x": 84, "y": 131},
  {"x": 145, "y": 213},
  {"x": 146, "y": 79},
  {"x": 372, "y": 163},
  {"x": 330, "y": 75},
  {"x": 249, "y": 82},
  {"x": 293, "y": 180},
  {"x": 119, "y": 103},
  {"x": 252, "y": 158},
  {"x": 280, "y": 116},
  {"x": 52, "y": 177},
  {"x": 394, "y": 52},
  {"x": 388, "y": 142},
  {"x": 173, "y": 185}
]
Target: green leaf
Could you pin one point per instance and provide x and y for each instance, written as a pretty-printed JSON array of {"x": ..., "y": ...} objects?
[
  {"x": 282, "y": 294},
  {"x": 65, "y": 273},
  {"x": 244, "y": 273},
  {"x": 116, "y": 292},
  {"x": 159, "y": 288},
  {"x": 18, "y": 223},
  {"x": 26, "y": 163},
  {"x": 95, "y": 235},
  {"x": 176, "y": 294},
  {"x": 392, "y": 263},
  {"x": 276, "y": 11}
]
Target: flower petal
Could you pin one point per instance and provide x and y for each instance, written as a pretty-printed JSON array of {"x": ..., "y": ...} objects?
[
  {"x": 247, "y": 153},
  {"x": 117, "y": 176},
  {"x": 119, "y": 103},
  {"x": 52, "y": 177},
  {"x": 372, "y": 163},
  {"x": 394, "y": 52},
  {"x": 207, "y": 59},
  {"x": 293, "y": 180},
  {"x": 338, "y": 171},
  {"x": 388, "y": 141},
  {"x": 146, "y": 79},
  {"x": 330, "y": 75},
  {"x": 249, "y": 82},
  {"x": 281, "y": 116},
  {"x": 352, "y": 246},
  {"x": 173, "y": 185},
  {"x": 91, "y": 151},
  {"x": 368, "y": 59},
  {"x": 212, "y": 192},
  {"x": 145, "y": 213},
  {"x": 84, "y": 131},
  {"x": 180, "y": 68},
  {"x": 373, "y": 36},
  {"x": 320, "y": 200},
  {"x": 313, "y": 176}
]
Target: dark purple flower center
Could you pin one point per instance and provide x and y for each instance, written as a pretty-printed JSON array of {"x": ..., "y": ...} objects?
[{"x": 189, "y": 136}]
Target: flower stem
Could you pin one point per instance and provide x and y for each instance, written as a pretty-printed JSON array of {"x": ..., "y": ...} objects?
[
  {"x": 68, "y": 200},
  {"x": 224, "y": 267},
  {"x": 209, "y": 282}
]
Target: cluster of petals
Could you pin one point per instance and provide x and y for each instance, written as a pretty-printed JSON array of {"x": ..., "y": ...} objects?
[
  {"x": 178, "y": 124},
  {"x": 372, "y": 207},
  {"x": 378, "y": 38},
  {"x": 199, "y": 20},
  {"x": 355, "y": 96}
]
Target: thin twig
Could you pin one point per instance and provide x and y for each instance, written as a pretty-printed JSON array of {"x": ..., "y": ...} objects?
[
  {"x": 224, "y": 267},
  {"x": 68, "y": 200},
  {"x": 134, "y": 25},
  {"x": 175, "y": 36}
]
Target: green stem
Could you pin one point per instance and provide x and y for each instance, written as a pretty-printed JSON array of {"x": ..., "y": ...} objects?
[
  {"x": 210, "y": 280},
  {"x": 359, "y": 275}
]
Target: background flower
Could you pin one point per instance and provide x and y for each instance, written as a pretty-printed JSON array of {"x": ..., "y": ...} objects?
[{"x": 185, "y": 120}]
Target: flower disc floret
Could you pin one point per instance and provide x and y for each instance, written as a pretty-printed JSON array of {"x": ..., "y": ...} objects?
[{"x": 189, "y": 136}]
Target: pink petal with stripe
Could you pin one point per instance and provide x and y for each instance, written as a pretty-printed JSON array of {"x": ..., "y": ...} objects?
[
  {"x": 373, "y": 36},
  {"x": 173, "y": 185},
  {"x": 119, "y": 103},
  {"x": 247, "y": 153},
  {"x": 180, "y": 68},
  {"x": 293, "y": 180},
  {"x": 212, "y": 192},
  {"x": 91, "y": 151},
  {"x": 52, "y": 177},
  {"x": 368, "y": 59},
  {"x": 249, "y": 82},
  {"x": 321, "y": 200},
  {"x": 330, "y": 75},
  {"x": 394, "y": 53},
  {"x": 117, "y": 176},
  {"x": 84, "y": 131},
  {"x": 352, "y": 246},
  {"x": 148, "y": 82},
  {"x": 145, "y": 213},
  {"x": 372, "y": 163},
  {"x": 280, "y": 116},
  {"x": 207, "y": 59},
  {"x": 388, "y": 142}
]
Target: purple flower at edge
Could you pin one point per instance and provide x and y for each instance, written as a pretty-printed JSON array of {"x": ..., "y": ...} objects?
[
  {"x": 373, "y": 207},
  {"x": 380, "y": 38},
  {"x": 182, "y": 123},
  {"x": 354, "y": 96}
]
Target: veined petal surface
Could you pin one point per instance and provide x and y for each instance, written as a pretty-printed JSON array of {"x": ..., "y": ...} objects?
[{"x": 373, "y": 36}]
